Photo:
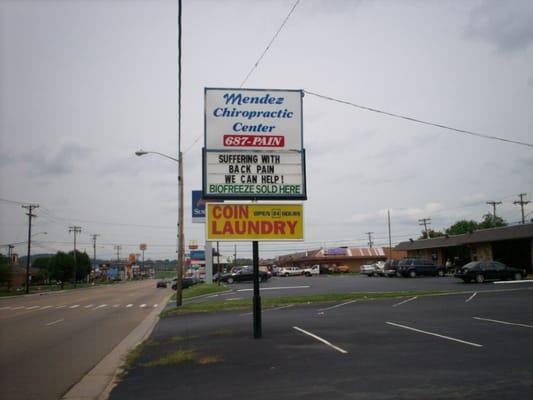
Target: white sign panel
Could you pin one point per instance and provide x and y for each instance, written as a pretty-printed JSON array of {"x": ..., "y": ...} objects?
[
  {"x": 253, "y": 119},
  {"x": 248, "y": 174}
]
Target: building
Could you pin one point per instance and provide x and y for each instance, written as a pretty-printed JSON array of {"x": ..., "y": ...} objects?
[
  {"x": 512, "y": 245},
  {"x": 352, "y": 257}
]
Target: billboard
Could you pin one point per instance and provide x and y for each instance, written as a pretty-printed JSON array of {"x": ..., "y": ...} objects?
[
  {"x": 253, "y": 145},
  {"x": 248, "y": 222},
  {"x": 198, "y": 207}
]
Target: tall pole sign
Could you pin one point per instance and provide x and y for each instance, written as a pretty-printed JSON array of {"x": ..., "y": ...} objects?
[
  {"x": 254, "y": 151},
  {"x": 253, "y": 145}
]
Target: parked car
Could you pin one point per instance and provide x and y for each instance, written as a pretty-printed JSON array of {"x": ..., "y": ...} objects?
[
  {"x": 314, "y": 270},
  {"x": 391, "y": 268},
  {"x": 412, "y": 267},
  {"x": 290, "y": 271},
  {"x": 161, "y": 283},
  {"x": 245, "y": 273},
  {"x": 481, "y": 271},
  {"x": 368, "y": 269},
  {"x": 185, "y": 282}
]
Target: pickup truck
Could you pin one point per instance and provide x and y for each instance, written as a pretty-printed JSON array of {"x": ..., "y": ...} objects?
[
  {"x": 310, "y": 271},
  {"x": 412, "y": 267}
]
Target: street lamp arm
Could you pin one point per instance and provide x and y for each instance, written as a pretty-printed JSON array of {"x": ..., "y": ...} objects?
[{"x": 142, "y": 152}]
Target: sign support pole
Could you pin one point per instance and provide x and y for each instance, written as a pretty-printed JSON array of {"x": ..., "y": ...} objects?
[{"x": 257, "y": 296}]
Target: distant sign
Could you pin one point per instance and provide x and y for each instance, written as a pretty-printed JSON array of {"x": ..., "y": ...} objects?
[
  {"x": 253, "y": 145},
  {"x": 198, "y": 255},
  {"x": 337, "y": 251},
  {"x": 142, "y": 246},
  {"x": 247, "y": 222},
  {"x": 198, "y": 207}
]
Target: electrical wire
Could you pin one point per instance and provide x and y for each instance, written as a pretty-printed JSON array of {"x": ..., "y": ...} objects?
[
  {"x": 481, "y": 135},
  {"x": 270, "y": 43}
]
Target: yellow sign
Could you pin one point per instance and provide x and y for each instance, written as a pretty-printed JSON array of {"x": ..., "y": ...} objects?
[{"x": 231, "y": 221}]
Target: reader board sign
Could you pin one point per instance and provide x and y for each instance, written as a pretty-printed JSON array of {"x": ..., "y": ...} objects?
[
  {"x": 253, "y": 145},
  {"x": 254, "y": 175},
  {"x": 253, "y": 119},
  {"x": 249, "y": 222}
]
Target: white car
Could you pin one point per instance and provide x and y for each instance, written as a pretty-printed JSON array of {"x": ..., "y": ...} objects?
[
  {"x": 290, "y": 271},
  {"x": 310, "y": 271},
  {"x": 369, "y": 269}
]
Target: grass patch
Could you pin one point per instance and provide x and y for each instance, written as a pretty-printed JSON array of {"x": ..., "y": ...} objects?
[
  {"x": 215, "y": 306},
  {"x": 222, "y": 332},
  {"x": 132, "y": 359},
  {"x": 177, "y": 357}
]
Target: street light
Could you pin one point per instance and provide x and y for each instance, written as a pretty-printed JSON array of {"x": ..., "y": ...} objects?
[{"x": 181, "y": 253}]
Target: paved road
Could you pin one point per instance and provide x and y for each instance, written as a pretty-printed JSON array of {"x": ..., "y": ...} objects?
[
  {"x": 49, "y": 342},
  {"x": 439, "y": 347}
]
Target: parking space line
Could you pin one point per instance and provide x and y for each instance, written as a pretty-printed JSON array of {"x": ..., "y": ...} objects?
[
  {"x": 405, "y": 301},
  {"x": 503, "y": 322},
  {"x": 471, "y": 297},
  {"x": 321, "y": 340},
  {"x": 337, "y": 306},
  {"x": 513, "y": 282},
  {"x": 434, "y": 334},
  {"x": 54, "y": 322}
]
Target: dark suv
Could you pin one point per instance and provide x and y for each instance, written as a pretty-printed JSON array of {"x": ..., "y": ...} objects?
[{"x": 411, "y": 267}]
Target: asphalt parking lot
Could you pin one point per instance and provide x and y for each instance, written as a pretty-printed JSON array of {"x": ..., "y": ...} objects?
[{"x": 474, "y": 345}]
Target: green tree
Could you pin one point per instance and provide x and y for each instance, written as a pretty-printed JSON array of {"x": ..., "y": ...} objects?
[
  {"x": 83, "y": 264},
  {"x": 431, "y": 234},
  {"x": 61, "y": 267},
  {"x": 490, "y": 221},
  {"x": 41, "y": 263},
  {"x": 462, "y": 226}
]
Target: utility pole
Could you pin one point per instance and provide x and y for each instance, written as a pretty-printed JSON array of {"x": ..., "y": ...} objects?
[
  {"x": 30, "y": 208},
  {"x": 94, "y": 236},
  {"x": 425, "y": 222},
  {"x": 118, "y": 247},
  {"x": 522, "y": 204},
  {"x": 390, "y": 238},
  {"x": 76, "y": 230},
  {"x": 235, "y": 255},
  {"x": 10, "y": 255},
  {"x": 370, "y": 242},
  {"x": 494, "y": 204}
]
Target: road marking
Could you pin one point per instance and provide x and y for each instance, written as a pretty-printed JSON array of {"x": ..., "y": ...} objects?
[
  {"x": 338, "y": 305},
  {"x": 60, "y": 306},
  {"x": 55, "y": 322},
  {"x": 116, "y": 305},
  {"x": 45, "y": 307},
  {"x": 155, "y": 305},
  {"x": 321, "y": 340},
  {"x": 435, "y": 334},
  {"x": 214, "y": 295},
  {"x": 405, "y": 301},
  {"x": 74, "y": 306},
  {"x": 100, "y": 306},
  {"x": 269, "y": 309},
  {"x": 276, "y": 288},
  {"x": 17, "y": 308},
  {"x": 88, "y": 306},
  {"x": 512, "y": 282},
  {"x": 503, "y": 322},
  {"x": 234, "y": 298},
  {"x": 142, "y": 306},
  {"x": 129, "y": 305},
  {"x": 471, "y": 297},
  {"x": 32, "y": 308}
]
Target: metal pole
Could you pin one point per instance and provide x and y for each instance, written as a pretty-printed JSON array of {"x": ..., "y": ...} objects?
[
  {"x": 218, "y": 264},
  {"x": 390, "y": 239},
  {"x": 30, "y": 207},
  {"x": 257, "y": 296}
]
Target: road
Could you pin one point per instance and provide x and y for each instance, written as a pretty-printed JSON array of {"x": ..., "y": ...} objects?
[{"x": 49, "y": 342}]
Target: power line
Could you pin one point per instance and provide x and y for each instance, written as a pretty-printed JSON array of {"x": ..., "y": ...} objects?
[
  {"x": 270, "y": 43},
  {"x": 481, "y": 135}
]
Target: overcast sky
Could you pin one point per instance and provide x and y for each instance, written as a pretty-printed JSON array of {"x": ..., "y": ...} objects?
[{"x": 84, "y": 84}]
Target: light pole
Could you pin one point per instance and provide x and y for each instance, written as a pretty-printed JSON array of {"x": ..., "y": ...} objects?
[{"x": 181, "y": 241}]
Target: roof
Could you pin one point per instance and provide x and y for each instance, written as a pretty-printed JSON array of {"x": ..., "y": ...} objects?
[
  {"x": 337, "y": 253},
  {"x": 522, "y": 231}
]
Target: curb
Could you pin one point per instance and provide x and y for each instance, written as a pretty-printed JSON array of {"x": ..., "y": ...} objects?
[{"x": 100, "y": 381}]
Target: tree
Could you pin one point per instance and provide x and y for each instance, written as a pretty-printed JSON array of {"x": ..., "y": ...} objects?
[
  {"x": 83, "y": 264},
  {"x": 41, "y": 263},
  {"x": 461, "y": 227},
  {"x": 61, "y": 267},
  {"x": 491, "y": 221},
  {"x": 431, "y": 234}
]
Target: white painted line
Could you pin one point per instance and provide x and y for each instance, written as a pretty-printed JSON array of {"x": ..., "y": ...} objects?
[
  {"x": 17, "y": 308},
  {"x": 89, "y": 306},
  {"x": 435, "y": 334},
  {"x": 276, "y": 288},
  {"x": 155, "y": 305},
  {"x": 116, "y": 305},
  {"x": 75, "y": 306},
  {"x": 471, "y": 297},
  {"x": 405, "y": 301},
  {"x": 45, "y": 307},
  {"x": 55, "y": 322},
  {"x": 60, "y": 306},
  {"x": 503, "y": 322},
  {"x": 100, "y": 306},
  {"x": 269, "y": 309},
  {"x": 321, "y": 340},
  {"x": 32, "y": 308},
  {"x": 338, "y": 305},
  {"x": 214, "y": 295},
  {"x": 129, "y": 305},
  {"x": 513, "y": 282},
  {"x": 234, "y": 298},
  {"x": 142, "y": 306}
]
